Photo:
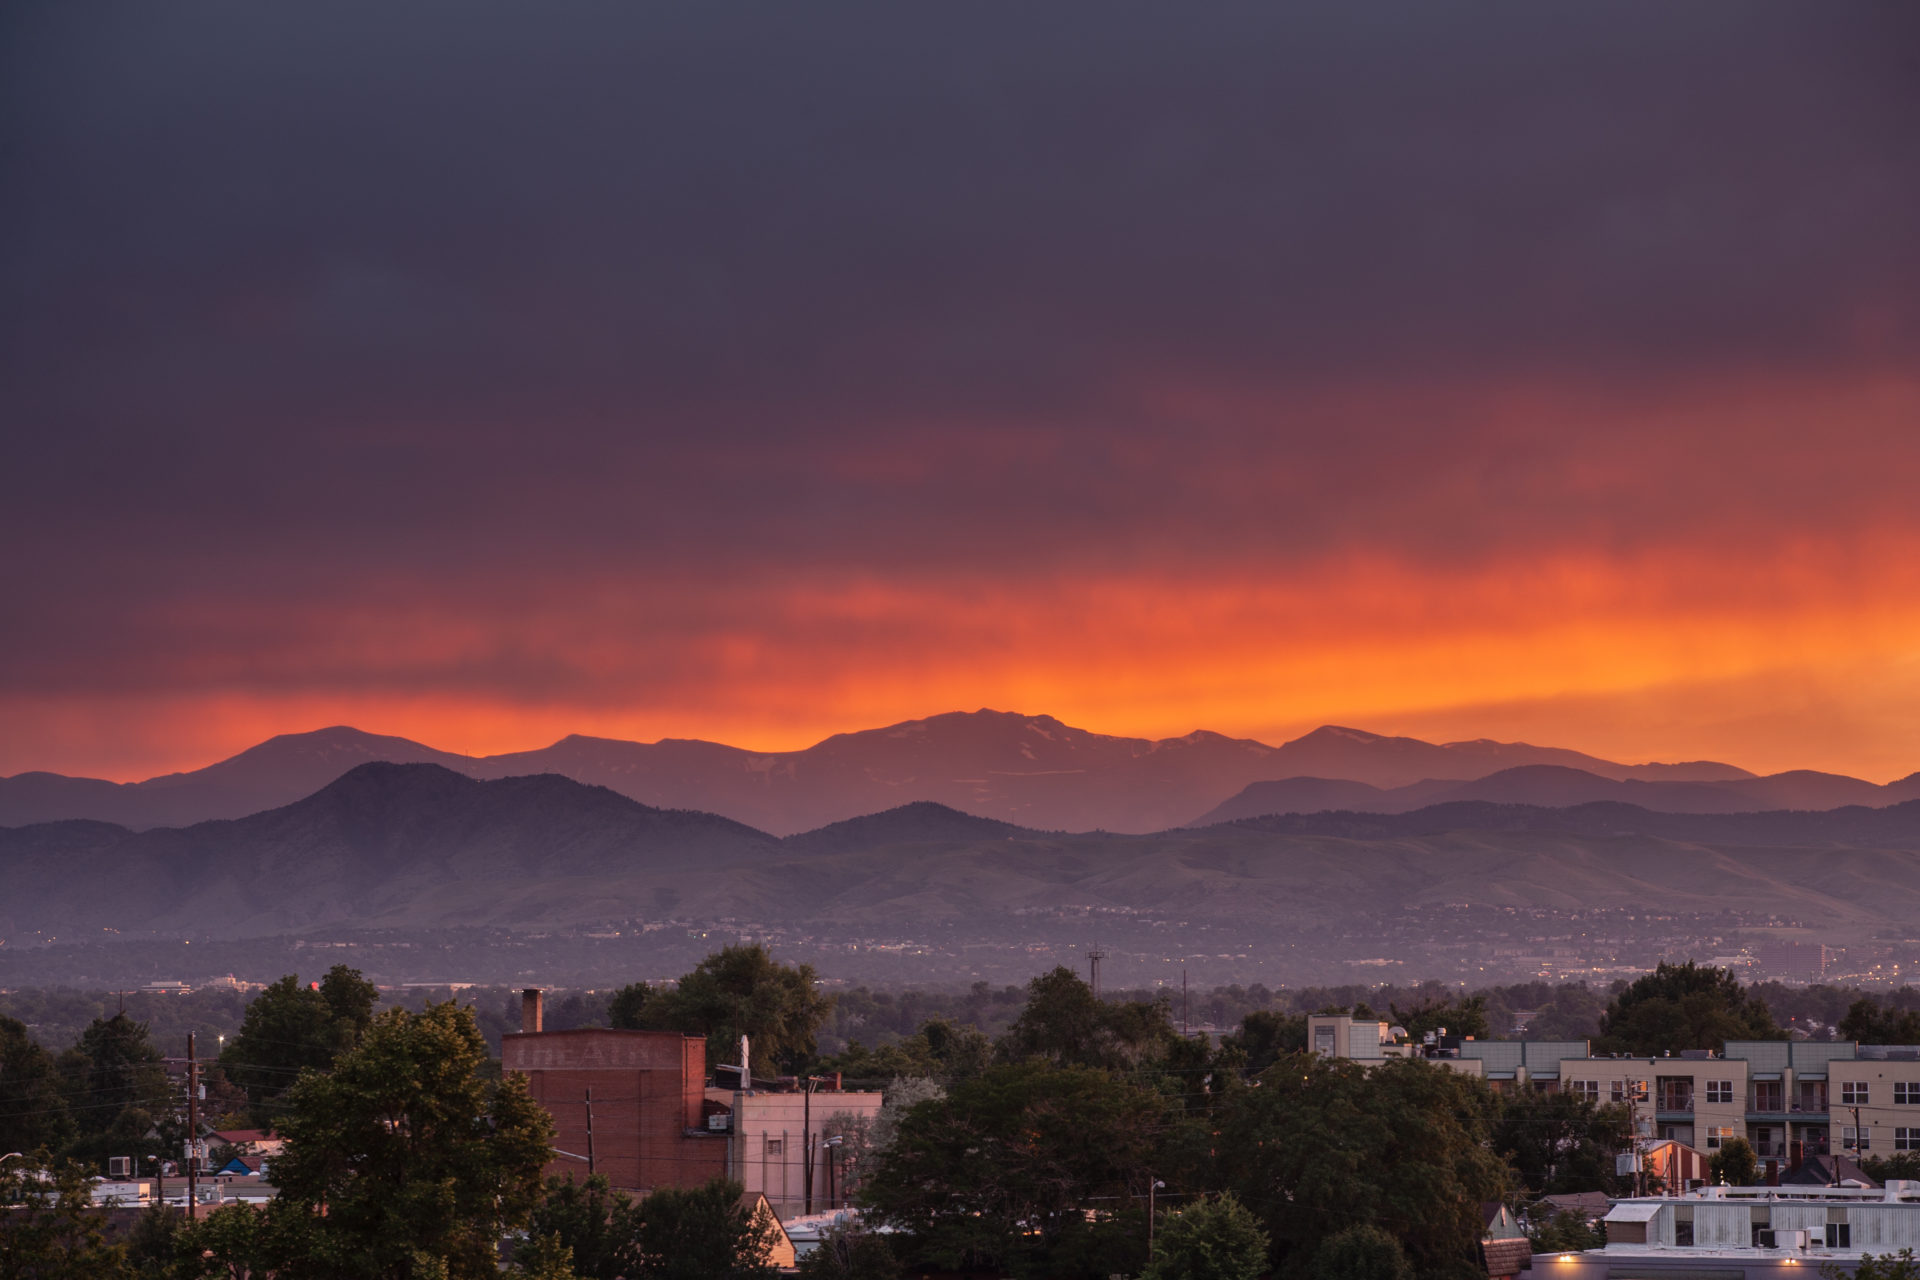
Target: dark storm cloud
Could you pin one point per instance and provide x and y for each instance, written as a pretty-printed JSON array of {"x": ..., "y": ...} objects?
[{"x": 488, "y": 295}]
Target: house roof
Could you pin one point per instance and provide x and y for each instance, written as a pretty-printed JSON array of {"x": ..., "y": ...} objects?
[
  {"x": 1506, "y": 1257},
  {"x": 234, "y": 1137},
  {"x": 1826, "y": 1171},
  {"x": 1588, "y": 1204}
]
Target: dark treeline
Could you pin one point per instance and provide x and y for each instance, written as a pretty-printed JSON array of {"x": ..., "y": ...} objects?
[{"x": 56, "y": 1017}]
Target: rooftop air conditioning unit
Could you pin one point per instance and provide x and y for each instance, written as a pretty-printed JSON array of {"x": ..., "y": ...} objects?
[
  {"x": 119, "y": 1166},
  {"x": 720, "y": 1122}
]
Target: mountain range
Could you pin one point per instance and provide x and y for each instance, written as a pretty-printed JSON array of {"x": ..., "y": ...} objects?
[
  {"x": 1556, "y": 786},
  {"x": 1031, "y": 770},
  {"x": 422, "y": 846}
]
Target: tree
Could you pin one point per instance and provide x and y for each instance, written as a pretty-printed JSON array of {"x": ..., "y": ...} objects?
[
  {"x": 33, "y": 1113},
  {"x": 153, "y": 1244},
  {"x": 1885, "y": 1266},
  {"x": 351, "y": 1000},
  {"x": 743, "y": 991},
  {"x": 1683, "y": 1006},
  {"x": 625, "y": 1007},
  {"x": 403, "y": 1163},
  {"x": 1323, "y": 1144},
  {"x": 1265, "y": 1036},
  {"x": 1215, "y": 1239},
  {"x": 868, "y": 1139},
  {"x": 1361, "y": 1253},
  {"x": 115, "y": 1066},
  {"x": 49, "y": 1229},
  {"x": 960, "y": 1051},
  {"x": 1870, "y": 1022},
  {"x": 1560, "y": 1142},
  {"x": 544, "y": 1258},
  {"x": 863, "y": 1066},
  {"x": 1734, "y": 1164},
  {"x": 230, "y": 1243},
  {"x": 709, "y": 1232},
  {"x": 1901, "y": 1164},
  {"x": 597, "y": 1225},
  {"x": 1564, "y": 1232},
  {"x": 850, "y": 1252},
  {"x": 938, "y": 1048},
  {"x": 290, "y": 1028},
  {"x": 1065, "y": 1024},
  {"x": 118, "y": 1092},
  {"x": 1004, "y": 1169}
]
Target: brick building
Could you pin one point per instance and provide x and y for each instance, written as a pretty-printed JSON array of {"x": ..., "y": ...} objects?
[{"x": 646, "y": 1109}]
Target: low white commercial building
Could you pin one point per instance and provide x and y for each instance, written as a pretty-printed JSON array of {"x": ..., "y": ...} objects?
[{"x": 1745, "y": 1233}]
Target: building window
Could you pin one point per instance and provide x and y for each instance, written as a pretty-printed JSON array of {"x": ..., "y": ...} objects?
[
  {"x": 1683, "y": 1234},
  {"x": 1588, "y": 1089},
  {"x": 1629, "y": 1090},
  {"x": 1854, "y": 1094},
  {"x": 1852, "y": 1139},
  {"x": 776, "y": 1146},
  {"x": 1717, "y": 1135},
  {"x": 1906, "y": 1095},
  {"x": 1719, "y": 1091},
  {"x": 1323, "y": 1041},
  {"x": 1839, "y": 1235},
  {"x": 1906, "y": 1139}
]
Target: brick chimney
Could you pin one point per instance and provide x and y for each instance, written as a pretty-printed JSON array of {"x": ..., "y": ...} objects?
[
  {"x": 1796, "y": 1155},
  {"x": 530, "y": 1010}
]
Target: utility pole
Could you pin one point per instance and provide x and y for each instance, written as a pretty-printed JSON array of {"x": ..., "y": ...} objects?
[
  {"x": 806, "y": 1144},
  {"x": 1094, "y": 957},
  {"x": 590, "y": 1169},
  {"x": 193, "y": 1132},
  {"x": 1186, "y": 1005}
]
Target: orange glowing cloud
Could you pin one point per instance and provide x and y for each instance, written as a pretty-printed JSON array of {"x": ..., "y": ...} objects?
[{"x": 1571, "y": 649}]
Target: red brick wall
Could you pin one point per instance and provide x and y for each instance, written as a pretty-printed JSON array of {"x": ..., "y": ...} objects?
[{"x": 647, "y": 1090}]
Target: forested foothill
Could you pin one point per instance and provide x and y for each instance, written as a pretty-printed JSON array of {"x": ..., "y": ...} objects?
[{"x": 1028, "y": 1131}]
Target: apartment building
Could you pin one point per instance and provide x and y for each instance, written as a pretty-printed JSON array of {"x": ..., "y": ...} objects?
[
  {"x": 1786, "y": 1098},
  {"x": 1873, "y": 1097}
]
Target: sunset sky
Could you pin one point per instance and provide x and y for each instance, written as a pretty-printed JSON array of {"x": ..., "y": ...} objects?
[{"x": 484, "y": 374}]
